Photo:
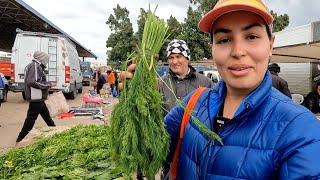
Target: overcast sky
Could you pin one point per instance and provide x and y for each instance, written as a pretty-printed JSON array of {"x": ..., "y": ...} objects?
[{"x": 84, "y": 20}]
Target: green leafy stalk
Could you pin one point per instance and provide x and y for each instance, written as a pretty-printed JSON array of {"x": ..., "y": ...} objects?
[
  {"x": 138, "y": 137},
  {"x": 212, "y": 135}
]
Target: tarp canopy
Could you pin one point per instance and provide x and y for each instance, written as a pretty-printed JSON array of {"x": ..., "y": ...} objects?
[
  {"x": 305, "y": 52},
  {"x": 17, "y": 14}
]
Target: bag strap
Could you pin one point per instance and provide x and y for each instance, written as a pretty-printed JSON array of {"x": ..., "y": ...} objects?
[{"x": 186, "y": 117}]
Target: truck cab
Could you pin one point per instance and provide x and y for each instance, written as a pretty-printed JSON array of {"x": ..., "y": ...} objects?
[{"x": 86, "y": 72}]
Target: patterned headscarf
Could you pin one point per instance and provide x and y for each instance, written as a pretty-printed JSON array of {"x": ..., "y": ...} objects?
[{"x": 178, "y": 46}]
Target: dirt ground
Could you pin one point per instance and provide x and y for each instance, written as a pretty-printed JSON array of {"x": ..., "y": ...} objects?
[{"x": 13, "y": 113}]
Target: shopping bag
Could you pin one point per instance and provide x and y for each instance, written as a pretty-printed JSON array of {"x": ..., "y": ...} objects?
[
  {"x": 93, "y": 83},
  {"x": 114, "y": 92},
  {"x": 57, "y": 104}
]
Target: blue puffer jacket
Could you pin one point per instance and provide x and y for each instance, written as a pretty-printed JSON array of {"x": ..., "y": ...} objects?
[{"x": 269, "y": 137}]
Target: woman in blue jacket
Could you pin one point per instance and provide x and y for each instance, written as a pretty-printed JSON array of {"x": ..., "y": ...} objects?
[{"x": 265, "y": 134}]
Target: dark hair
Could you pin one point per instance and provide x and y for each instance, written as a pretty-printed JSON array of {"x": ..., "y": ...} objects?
[{"x": 274, "y": 67}]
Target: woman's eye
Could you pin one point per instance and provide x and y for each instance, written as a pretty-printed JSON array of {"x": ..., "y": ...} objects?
[
  {"x": 222, "y": 41},
  {"x": 252, "y": 37}
]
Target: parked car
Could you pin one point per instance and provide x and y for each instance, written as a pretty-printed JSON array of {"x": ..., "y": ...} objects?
[
  {"x": 213, "y": 75},
  {"x": 4, "y": 89}
]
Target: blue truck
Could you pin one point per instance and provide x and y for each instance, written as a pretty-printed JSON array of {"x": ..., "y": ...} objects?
[{"x": 86, "y": 72}]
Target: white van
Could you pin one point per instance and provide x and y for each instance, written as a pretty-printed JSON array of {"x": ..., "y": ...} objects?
[
  {"x": 63, "y": 67},
  {"x": 213, "y": 75}
]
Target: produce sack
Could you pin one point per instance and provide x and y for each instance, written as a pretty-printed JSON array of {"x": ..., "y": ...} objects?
[
  {"x": 114, "y": 92},
  {"x": 57, "y": 104},
  {"x": 93, "y": 83}
]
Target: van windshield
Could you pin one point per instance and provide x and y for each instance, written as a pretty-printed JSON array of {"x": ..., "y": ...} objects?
[{"x": 84, "y": 68}]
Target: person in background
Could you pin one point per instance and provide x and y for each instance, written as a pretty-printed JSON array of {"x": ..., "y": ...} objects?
[
  {"x": 103, "y": 78},
  {"x": 2, "y": 86},
  {"x": 111, "y": 79},
  {"x": 313, "y": 100},
  {"x": 95, "y": 77},
  {"x": 278, "y": 82},
  {"x": 265, "y": 134},
  {"x": 182, "y": 76},
  {"x": 116, "y": 77},
  {"x": 36, "y": 91}
]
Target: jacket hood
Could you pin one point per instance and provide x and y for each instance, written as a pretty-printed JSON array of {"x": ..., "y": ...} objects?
[{"x": 42, "y": 57}]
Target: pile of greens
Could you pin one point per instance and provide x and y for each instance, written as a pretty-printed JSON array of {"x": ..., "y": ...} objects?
[
  {"x": 139, "y": 140},
  {"x": 79, "y": 153}
]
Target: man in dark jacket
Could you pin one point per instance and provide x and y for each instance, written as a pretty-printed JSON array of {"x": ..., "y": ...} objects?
[
  {"x": 182, "y": 78},
  {"x": 36, "y": 91},
  {"x": 312, "y": 100},
  {"x": 278, "y": 82}
]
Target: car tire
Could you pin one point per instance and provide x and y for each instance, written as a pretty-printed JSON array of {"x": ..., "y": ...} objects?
[
  {"x": 5, "y": 95},
  {"x": 80, "y": 90},
  {"x": 73, "y": 94}
]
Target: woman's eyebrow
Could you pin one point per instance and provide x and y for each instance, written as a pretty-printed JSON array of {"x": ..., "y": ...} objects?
[
  {"x": 251, "y": 26},
  {"x": 222, "y": 30}
]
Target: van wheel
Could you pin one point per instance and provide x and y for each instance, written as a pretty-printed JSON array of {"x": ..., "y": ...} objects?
[
  {"x": 23, "y": 96},
  {"x": 5, "y": 95},
  {"x": 80, "y": 90},
  {"x": 73, "y": 94}
]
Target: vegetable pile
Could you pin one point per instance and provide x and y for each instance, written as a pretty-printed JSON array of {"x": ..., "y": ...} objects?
[
  {"x": 79, "y": 153},
  {"x": 139, "y": 140}
]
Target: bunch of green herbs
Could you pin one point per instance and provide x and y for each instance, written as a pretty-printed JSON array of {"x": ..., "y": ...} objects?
[{"x": 139, "y": 140}]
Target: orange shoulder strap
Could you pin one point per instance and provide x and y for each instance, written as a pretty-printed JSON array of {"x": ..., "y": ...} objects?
[{"x": 186, "y": 117}]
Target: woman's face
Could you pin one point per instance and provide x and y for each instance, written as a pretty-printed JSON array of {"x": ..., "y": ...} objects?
[{"x": 241, "y": 49}]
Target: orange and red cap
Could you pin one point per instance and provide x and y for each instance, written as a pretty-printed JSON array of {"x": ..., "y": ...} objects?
[{"x": 225, "y": 6}]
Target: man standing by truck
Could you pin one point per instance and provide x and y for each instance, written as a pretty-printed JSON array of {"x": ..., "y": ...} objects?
[
  {"x": 278, "y": 82},
  {"x": 36, "y": 92}
]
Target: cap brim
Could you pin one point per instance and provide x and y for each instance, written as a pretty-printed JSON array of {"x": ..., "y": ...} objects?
[{"x": 207, "y": 20}]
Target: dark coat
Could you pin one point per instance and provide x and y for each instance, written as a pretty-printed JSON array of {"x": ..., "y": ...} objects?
[
  {"x": 36, "y": 85},
  {"x": 312, "y": 102},
  {"x": 280, "y": 84},
  {"x": 181, "y": 87},
  {"x": 101, "y": 81}
]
